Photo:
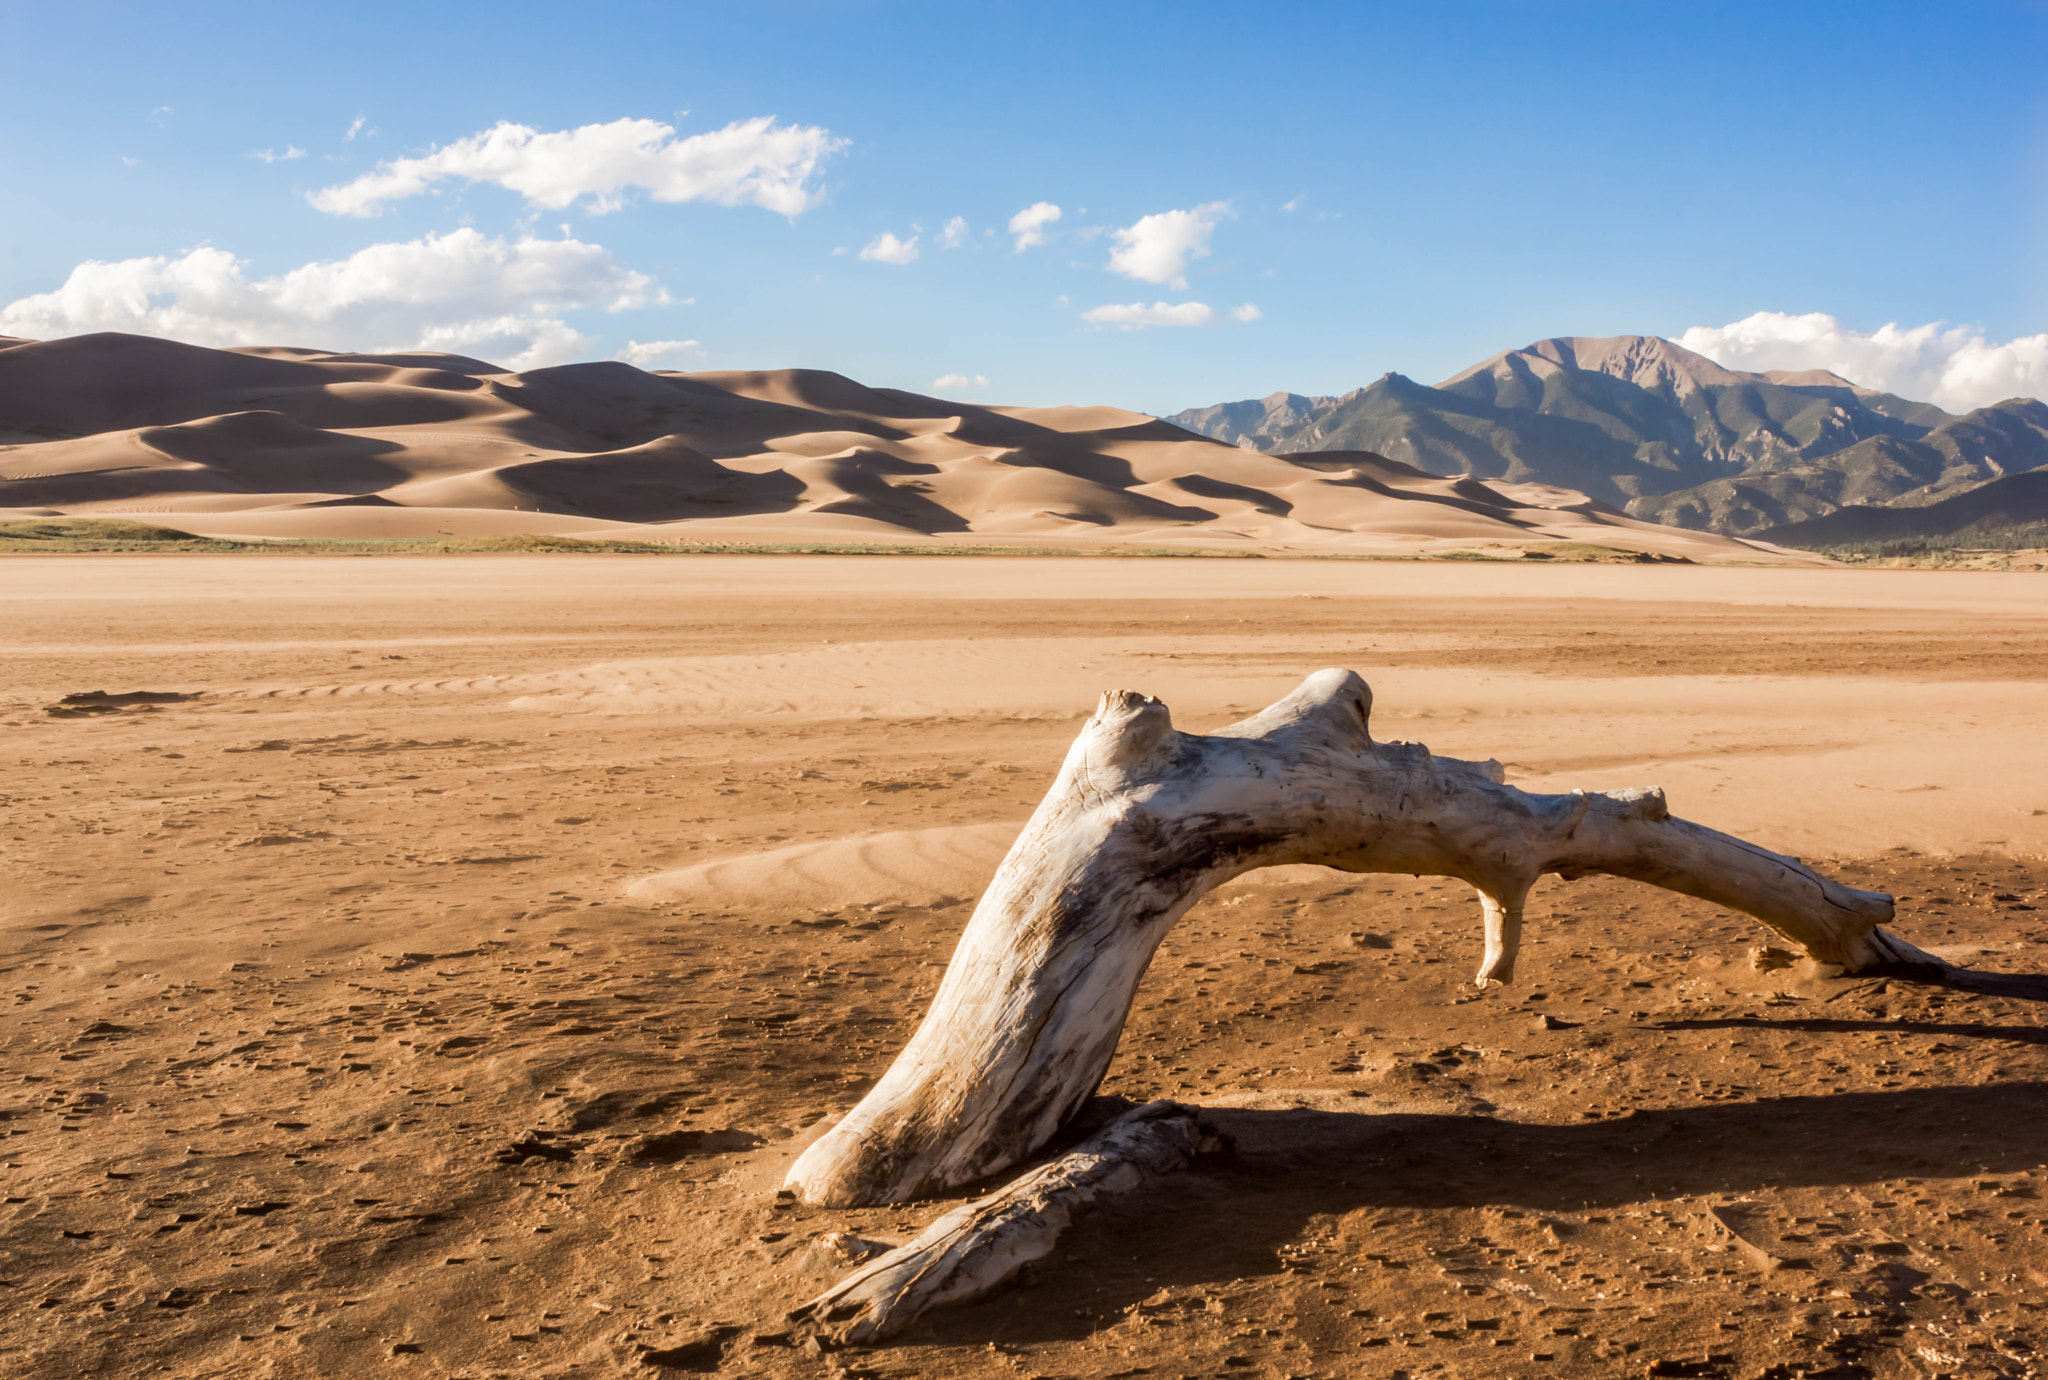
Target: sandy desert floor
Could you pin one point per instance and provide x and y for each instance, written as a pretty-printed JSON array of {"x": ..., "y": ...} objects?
[{"x": 435, "y": 971}]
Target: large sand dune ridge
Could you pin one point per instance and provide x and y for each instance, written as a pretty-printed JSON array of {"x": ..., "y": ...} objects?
[{"x": 276, "y": 442}]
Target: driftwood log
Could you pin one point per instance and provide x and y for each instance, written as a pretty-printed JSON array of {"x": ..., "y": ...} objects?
[
  {"x": 975, "y": 1248},
  {"x": 1142, "y": 820}
]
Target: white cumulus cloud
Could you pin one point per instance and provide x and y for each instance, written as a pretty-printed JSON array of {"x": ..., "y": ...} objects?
[
  {"x": 1157, "y": 249},
  {"x": 954, "y": 234},
  {"x": 960, "y": 381},
  {"x": 462, "y": 292},
  {"x": 1247, "y": 312},
  {"x": 1955, "y": 368},
  {"x": 885, "y": 248},
  {"x": 646, "y": 354},
  {"x": 291, "y": 151},
  {"x": 1133, "y": 316},
  {"x": 750, "y": 162},
  {"x": 1028, "y": 225}
]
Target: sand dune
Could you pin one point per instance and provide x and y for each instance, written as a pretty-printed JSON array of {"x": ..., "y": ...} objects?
[
  {"x": 910, "y": 867},
  {"x": 282, "y": 442},
  {"x": 902, "y": 867}
]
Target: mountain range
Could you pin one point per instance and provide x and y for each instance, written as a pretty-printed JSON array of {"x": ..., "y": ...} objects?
[
  {"x": 1629, "y": 442},
  {"x": 1659, "y": 431}
]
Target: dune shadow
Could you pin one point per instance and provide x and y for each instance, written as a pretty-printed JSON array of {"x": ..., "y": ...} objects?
[{"x": 1227, "y": 1218}]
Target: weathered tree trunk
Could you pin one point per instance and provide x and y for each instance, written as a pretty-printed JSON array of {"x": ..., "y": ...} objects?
[
  {"x": 1142, "y": 820},
  {"x": 977, "y": 1246}
]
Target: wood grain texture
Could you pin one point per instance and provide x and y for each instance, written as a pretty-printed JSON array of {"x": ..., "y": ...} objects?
[{"x": 978, "y": 1246}]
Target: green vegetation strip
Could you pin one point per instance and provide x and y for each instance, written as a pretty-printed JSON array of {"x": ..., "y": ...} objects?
[
  {"x": 86, "y": 535},
  {"x": 108, "y": 534},
  {"x": 104, "y": 534},
  {"x": 1972, "y": 542}
]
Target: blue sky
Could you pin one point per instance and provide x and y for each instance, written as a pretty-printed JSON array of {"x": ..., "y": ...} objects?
[{"x": 1377, "y": 187}]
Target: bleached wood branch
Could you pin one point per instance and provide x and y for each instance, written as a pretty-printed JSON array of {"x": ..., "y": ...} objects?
[
  {"x": 1142, "y": 820},
  {"x": 977, "y": 1246}
]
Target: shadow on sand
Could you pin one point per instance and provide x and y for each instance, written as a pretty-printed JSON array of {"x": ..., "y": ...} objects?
[{"x": 1228, "y": 1219}]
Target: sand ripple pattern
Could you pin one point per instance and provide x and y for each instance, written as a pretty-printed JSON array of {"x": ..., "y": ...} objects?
[
  {"x": 905, "y": 679},
  {"x": 911, "y": 867}
]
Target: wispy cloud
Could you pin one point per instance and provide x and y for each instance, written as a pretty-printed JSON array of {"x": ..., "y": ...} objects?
[
  {"x": 885, "y": 248},
  {"x": 462, "y": 291},
  {"x": 1158, "y": 247},
  {"x": 355, "y": 127},
  {"x": 954, "y": 234},
  {"x": 291, "y": 151},
  {"x": 646, "y": 354},
  {"x": 1135, "y": 316},
  {"x": 1028, "y": 225},
  {"x": 750, "y": 162},
  {"x": 960, "y": 381},
  {"x": 161, "y": 116},
  {"x": 1956, "y": 367}
]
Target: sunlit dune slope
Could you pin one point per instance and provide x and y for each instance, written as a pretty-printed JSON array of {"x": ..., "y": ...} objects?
[{"x": 285, "y": 442}]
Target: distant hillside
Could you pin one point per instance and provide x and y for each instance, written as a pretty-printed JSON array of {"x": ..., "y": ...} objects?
[
  {"x": 2006, "y": 512},
  {"x": 1249, "y": 423},
  {"x": 1661, "y": 432}
]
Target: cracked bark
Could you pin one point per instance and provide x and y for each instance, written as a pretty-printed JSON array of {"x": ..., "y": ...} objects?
[{"x": 976, "y": 1248}]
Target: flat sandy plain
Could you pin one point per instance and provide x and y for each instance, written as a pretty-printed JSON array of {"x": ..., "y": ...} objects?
[{"x": 442, "y": 984}]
